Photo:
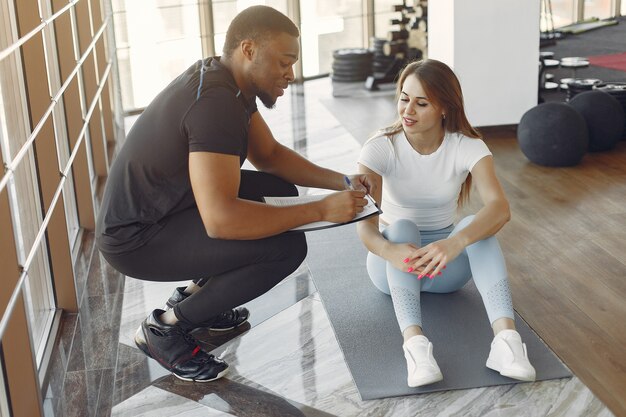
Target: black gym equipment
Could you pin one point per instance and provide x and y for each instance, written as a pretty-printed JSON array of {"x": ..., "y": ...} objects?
[
  {"x": 546, "y": 83},
  {"x": 403, "y": 44},
  {"x": 604, "y": 117},
  {"x": 397, "y": 35},
  {"x": 553, "y": 134},
  {"x": 351, "y": 64},
  {"x": 576, "y": 86},
  {"x": 383, "y": 63},
  {"x": 617, "y": 90},
  {"x": 574, "y": 63}
]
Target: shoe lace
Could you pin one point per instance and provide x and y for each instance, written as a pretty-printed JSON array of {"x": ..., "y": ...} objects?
[{"x": 197, "y": 349}]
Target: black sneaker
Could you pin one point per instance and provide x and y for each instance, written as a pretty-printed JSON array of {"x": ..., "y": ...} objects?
[
  {"x": 227, "y": 320},
  {"x": 177, "y": 351},
  {"x": 178, "y": 296}
]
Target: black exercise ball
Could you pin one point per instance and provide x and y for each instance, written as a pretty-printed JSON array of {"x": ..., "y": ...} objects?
[
  {"x": 553, "y": 134},
  {"x": 604, "y": 116}
]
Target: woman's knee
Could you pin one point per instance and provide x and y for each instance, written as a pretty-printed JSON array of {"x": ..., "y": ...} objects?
[
  {"x": 376, "y": 270},
  {"x": 403, "y": 231}
]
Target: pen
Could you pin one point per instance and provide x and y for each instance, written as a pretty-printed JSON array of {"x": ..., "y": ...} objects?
[
  {"x": 348, "y": 183},
  {"x": 369, "y": 197}
]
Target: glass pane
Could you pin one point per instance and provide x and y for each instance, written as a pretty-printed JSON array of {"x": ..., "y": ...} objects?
[
  {"x": 327, "y": 26},
  {"x": 120, "y": 25},
  {"x": 39, "y": 298},
  {"x": 60, "y": 130},
  {"x": 563, "y": 13},
  {"x": 4, "y": 402},
  {"x": 223, "y": 13},
  {"x": 383, "y": 10},
  {"x": 601, "y": 9},
  {"x": 126, "y": 82},
  {"x": 27, "y": 219},
  {"x": 175, "y": 3},
  {"x": 23, "y": 187},
  {"x": 117, "y": 5},
  {"x": 178, "y": 22},
  {"x": 156, "y": 42}
]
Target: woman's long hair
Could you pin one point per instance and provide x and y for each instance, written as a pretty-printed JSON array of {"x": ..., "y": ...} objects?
[{"x": 444, "y": 91}]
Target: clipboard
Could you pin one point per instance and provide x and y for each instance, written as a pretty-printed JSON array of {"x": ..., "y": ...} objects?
[{"x": 369, "y": 210}]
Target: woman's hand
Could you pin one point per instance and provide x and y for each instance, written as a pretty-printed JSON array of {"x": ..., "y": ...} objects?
[
  {"x": 431, "y": 259},
  {"x": 399, "y": 254}
]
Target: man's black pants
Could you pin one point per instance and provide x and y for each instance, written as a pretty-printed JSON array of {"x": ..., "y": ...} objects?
[{"x": 231, "y": 272}]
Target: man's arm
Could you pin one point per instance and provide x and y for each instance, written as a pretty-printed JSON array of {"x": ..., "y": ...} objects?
[
  {"x": 215, "y": 182},
  {"x": 267, "y": 155}
]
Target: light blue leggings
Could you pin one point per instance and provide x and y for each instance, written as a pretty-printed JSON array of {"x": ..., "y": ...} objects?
[{"x": 482, "y": 260}]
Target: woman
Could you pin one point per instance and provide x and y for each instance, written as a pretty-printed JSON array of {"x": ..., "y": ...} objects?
[{"x": 423, "y": 167}]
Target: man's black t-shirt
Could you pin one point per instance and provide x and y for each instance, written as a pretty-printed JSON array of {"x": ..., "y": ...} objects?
[{"x": 201, "y": 110}]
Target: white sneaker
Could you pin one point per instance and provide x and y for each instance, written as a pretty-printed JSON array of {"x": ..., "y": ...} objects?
[
  {"x": 421, "y": 365},
  {"x": 509, "y": 357}
]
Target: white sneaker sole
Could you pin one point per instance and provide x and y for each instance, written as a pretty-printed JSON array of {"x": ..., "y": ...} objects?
[
  {"x": 221, "y": 374},
  {"x": 430, "y": 379},
  {"x": 511, "y": 373}
]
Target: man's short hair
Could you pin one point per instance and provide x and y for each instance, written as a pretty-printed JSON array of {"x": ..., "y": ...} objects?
[{"x": 256, "y": 23}]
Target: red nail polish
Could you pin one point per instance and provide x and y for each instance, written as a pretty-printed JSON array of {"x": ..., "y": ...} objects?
[
  {"x": 410, "y": 269},
  {"x": 431, "y": 276},
  {"x": 444, "y": 267},
  {"x": 420, "y": 276},
  {"x": 406, "y": 260},
  {"x": 439, "y": 273}
]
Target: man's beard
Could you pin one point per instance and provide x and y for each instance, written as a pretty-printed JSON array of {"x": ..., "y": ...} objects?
[{"x": 267, "y": 100}]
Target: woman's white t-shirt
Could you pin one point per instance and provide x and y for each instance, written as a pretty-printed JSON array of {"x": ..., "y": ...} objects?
[{"x": 422, "y": 188}]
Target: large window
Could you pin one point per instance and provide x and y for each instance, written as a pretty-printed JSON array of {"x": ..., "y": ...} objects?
[
  {"x": 563, "y": 13},
  {"x": 327, "y": 26},
  {"x": 384, "y": 13},
  {"x": 156, "y": 41},
  {"x": 601, "y": 9},
  {"x": 23, "y": 190},
  {"x": 55, "y": 134}
]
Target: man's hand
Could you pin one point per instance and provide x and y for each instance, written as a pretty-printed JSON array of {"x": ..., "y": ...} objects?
[
  {"x": 362, "y": 182},
  {"x": 342, "y": 206}
]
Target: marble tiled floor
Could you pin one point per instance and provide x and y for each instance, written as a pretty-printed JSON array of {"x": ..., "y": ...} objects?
[{"x": 287, "y": 362}]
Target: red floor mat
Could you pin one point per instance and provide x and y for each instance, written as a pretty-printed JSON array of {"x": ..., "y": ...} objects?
[{"x": 613, "y": 61}]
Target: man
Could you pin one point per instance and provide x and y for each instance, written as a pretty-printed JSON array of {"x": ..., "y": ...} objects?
[{"x": 177, "y": 204}]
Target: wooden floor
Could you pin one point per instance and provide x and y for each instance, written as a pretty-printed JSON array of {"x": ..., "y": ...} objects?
[{"x": 566, "y": 251}]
